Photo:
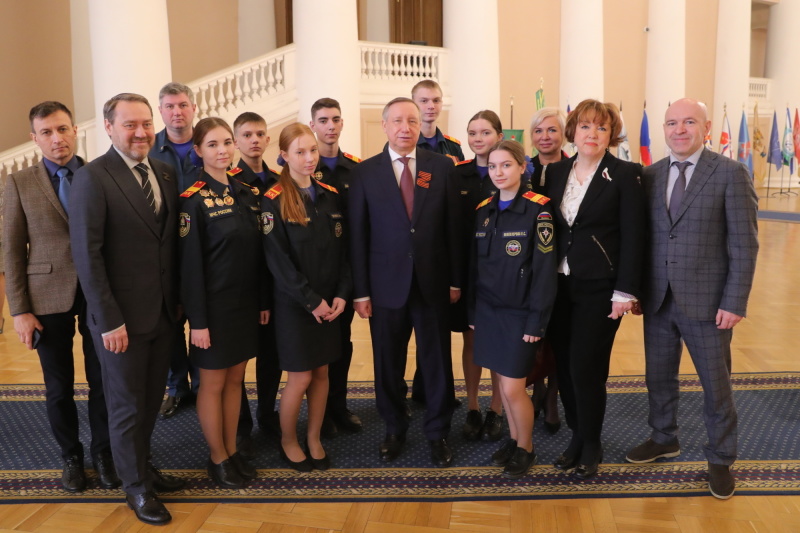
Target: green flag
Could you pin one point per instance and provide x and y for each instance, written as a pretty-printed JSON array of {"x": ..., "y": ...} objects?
[{"x": 539, "y": 99}]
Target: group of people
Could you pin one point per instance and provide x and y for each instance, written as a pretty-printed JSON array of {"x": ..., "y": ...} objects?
[{"x": 528, "y": 258}]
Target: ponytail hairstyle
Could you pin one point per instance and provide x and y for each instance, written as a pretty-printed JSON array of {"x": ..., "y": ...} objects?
[{"x": 292, "y": 204}]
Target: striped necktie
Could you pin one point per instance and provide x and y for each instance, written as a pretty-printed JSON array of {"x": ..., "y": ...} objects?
[{"x": 147, "y": 189}]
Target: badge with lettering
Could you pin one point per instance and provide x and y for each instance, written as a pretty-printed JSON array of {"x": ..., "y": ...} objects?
[
  {"x": 208, "y": 202},
  {"x": 185, "y": 224},
  {"x": 267, "y": 222},
  {"x": 228, "y": 200},
  {"x": 337, "y": 229},
  {"x": 513, "y": 248},
  {"x": 218, "y": 201},
  {"x": 545, "y": 232}
]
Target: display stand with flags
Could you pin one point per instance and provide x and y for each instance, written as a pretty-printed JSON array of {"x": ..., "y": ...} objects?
[
  {"x": 774, "y": 156},
  {"x": 745, "y": 155},
  {"x": 725, "y": 135},
  {"x": 787, "y": 150},
  {"x": 624, "y": 147},
  {"x": 797, "y": 139},
  {"x": 759, "y": 151},
  {"x": 645, "y": 157}
]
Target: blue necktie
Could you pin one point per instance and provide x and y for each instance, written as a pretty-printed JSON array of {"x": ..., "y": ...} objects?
[{"x": 64, "y": 184}]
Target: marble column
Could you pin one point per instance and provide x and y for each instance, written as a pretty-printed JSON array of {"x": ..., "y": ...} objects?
[{"x": 732, "y": 72}]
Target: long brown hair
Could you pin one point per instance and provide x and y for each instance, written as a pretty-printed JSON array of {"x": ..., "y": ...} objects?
[{"x": 291, "y": 202}]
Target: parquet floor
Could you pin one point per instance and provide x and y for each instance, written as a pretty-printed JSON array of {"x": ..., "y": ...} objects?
[{"x": 764, "y": 342}]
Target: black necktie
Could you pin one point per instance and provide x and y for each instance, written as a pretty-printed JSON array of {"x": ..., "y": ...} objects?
[
  {"x": 64, "y": 184},
  {"x": 678, "y": 189},
  {"x": 147, "y": 189}
]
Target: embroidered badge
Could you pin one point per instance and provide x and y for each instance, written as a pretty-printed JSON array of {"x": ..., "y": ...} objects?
[
  {"x": 545, "y": 232},
  {"x": 513, "y": 248},
  {"x": 267, "y": 222},
  {"x": 185, "y": 224},
  {"x": 337, "y": 229}
]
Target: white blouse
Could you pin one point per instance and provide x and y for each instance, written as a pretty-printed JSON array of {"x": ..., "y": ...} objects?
[{"x": 571, "y": 202}]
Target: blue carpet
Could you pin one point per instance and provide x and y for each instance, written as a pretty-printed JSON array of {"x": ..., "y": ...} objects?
[{"x": 769, "y": 447}]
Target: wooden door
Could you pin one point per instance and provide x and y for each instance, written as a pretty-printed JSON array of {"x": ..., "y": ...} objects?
[{"x": 416, "y": 22}]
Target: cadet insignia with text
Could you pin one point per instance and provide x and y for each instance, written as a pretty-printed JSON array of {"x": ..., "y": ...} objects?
[{"x": 185, "y": 224}]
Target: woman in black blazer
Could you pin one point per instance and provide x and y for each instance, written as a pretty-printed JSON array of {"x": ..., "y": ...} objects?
[{"x": 599, "y": 215}]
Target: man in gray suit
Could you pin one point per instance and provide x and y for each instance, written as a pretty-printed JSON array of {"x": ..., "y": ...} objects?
[
  {"x": 124, "y": 225},
  {"x": 702, "y": 211},
  {"x": 44, "y": 296}
]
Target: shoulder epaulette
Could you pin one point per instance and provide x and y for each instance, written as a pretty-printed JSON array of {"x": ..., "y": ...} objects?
[
  {"x": 274, "y": 172},
  {"x": 483, "y": 203},
  {"x": 538, "y": 198},
  {"x": 234, "y": 171},
  {"x": 464, "y": 162},
  {"x": 273, "y": 192},
  {"x": 193, "y": 189},
  {"x": 329, "y": 187},
  {"x": 452, "y": 139},
  {"x": 352, "y": 157}
]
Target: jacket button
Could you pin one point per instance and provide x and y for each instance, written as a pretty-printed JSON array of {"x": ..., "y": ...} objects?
[
  {"x": 671, "y": 236},
  {"x": 412, "y": 230}
]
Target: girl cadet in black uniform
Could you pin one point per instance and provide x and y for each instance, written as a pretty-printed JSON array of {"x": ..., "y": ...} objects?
[
  {"x": 598, "y": 204},
  {"x": 512, "y": 290},
  {"x": 221, "y": 256},
  {"x": 484, "y": 130},
  {"x": 304, "y": 243}
]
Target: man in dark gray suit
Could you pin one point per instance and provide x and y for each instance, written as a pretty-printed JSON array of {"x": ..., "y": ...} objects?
[
  {"x": 123, "y": 227},
  {"x": 702, "y": 211}
]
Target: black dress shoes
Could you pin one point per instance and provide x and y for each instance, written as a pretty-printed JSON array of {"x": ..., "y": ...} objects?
[
  {"x": 441, "y": 454},
  {"x": 319, "y": 464},
  {"x": 245, "y": 469},
  {"x": 565, "y": 462},
  {"x": 587, "y": 470},
  {"x": 301, "y": 466},
  {"x": 73, "y": 478},
  {"x": 148, "y": 508},
  {"x": 225, "y": 474},
  {"x": 520, "y": 463},
  {"x": 492, "y": 426},
  {"x": 164, "y": 482},
  {"x": 107, "y": 476},
  {"x": 472, "y": 425},
  {"x": 503, "y": 455},
  {"x": 169, "y": 407},
  {"x": 391, "y": 447},
  {"x": 245, "y": 447},
  {"x": 346, "y": 420}
]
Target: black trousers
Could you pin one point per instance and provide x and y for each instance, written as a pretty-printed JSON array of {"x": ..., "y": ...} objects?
[
  {"x": 582, "y": 336},
  {"x": 134, "y": 384},
  {"x": 58, "y": 368},
  {"x": 391, "y": 331},
  {"x": 339, "y": 369},
  {"x": 268, "y": 378}
]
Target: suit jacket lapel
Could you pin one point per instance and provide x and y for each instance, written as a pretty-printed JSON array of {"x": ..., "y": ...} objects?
[
  {"x": 168, "y": 195},
  {"x": 126, "y": 181},
  {"x": 599, "y": 182},
  {"x": 557, "y": 184},
  {"x": 705, "y": 167},
  {"x": 43, "y": 180},
  {"x": 420, "y": 192}
]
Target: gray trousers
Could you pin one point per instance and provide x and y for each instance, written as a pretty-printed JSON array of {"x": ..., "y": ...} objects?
[{"x": 710, "y": 349}]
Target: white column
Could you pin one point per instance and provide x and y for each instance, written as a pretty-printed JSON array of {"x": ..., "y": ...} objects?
[
  {"x": 82, "y": 89},
  {"x": 472, "y": 58},
  {"x": 665, "y": 79},
  {"x": 781, "y": 68},
  {"x": 328, "y": 62},
  {"x": 256, "y": 28},
  {"x": 732, "y": 73},
  {"x": 582, "y": 65},
  {"x": 130, "y": 53}
]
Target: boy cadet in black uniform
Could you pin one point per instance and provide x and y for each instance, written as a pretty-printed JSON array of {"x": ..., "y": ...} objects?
[
  {"x": 427, "y": 94},
  {"x": 251, "y": 139},
  {"x": 334, "y": 169}
]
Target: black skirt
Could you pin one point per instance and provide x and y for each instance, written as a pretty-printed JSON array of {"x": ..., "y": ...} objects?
[
  {"x": 234, "y": 338},
  {"x": 303, "y": 344},
  {"x": 498, "y": 341}
]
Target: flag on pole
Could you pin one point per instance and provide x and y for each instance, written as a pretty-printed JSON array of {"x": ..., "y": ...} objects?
[
  {"x": 707, "y": 141},
  {"x": 725, "y": 137},
  {"x": 774, "y": 156},
  {"x": 624, "y": 147},
  {"x": 539, "y": 99},
  {"x": 787, "y": 151},
  {"x": 745, "y": 155},
  {"x": 758, "y": 137},
  {"x": 644, "y": 142},
  {"x": 797, "y": 137}
]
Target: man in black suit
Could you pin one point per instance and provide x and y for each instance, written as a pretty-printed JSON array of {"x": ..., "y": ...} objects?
[
  {"x": 404, "y": 225},
  {"x": 123, "y": 228}
]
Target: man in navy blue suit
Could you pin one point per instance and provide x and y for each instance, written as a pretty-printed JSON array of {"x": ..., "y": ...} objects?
[{"x": 404, "y": 237}]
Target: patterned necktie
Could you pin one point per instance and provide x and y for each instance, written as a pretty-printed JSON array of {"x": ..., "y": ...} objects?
[
  {"x": 407, "y": 186},
  {"x": 678, "y": 190},
  {"x": 64, "y": 184},
  {"x": 147, "y": 189}
]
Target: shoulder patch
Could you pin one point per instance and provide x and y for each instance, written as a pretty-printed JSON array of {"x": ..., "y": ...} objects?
[
  {"x": 329, "y": 187},
  {"x": 352, "y": 157},
  {"x": 537, "y": 198},
  {"x": 452, "y": 139},
  {"x": 483, "y": 203},
  {"x": 464, "y": 162},
  {"x": 234, "y": 171},
  {"x": 273, "y": 192},
  {"x": 193, "y": 189}
]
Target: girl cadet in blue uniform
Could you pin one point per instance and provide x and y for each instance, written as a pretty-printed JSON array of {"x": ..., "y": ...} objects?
[
  {"x": 484, "y": 130},
  {"x": 512, "y": 290},
  {"x": 220, "y": 252},
  {"x": 304, "y": 243}
]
